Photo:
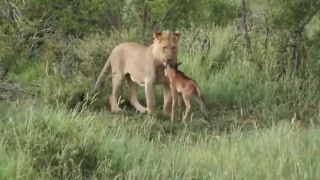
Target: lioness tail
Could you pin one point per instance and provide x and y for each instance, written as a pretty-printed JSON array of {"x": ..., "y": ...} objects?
[{"x": 106, "y": 66}]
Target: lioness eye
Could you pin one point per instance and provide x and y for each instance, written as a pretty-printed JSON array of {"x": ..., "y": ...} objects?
[
  {"x": 164, "y": 48},
  {"x": 173, "y": 48}
]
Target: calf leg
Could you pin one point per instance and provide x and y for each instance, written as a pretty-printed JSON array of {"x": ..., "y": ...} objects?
[
  {"x": 173, "y": 94},
  {"x": 180, "y": 104},
  {"x": 202, "y": 105},
  {"x": 186, "y": 100}
]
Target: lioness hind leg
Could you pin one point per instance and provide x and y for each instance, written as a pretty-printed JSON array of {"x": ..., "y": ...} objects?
[
  {"x": 133, "y": 94},
  {"x": 116, "y": 83}
]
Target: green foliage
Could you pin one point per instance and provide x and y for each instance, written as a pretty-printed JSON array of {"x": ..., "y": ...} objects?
[
  {"x": 158, "y": 8},
  {"x": 74, "y": 17},
  {"x": 43, "y": 21},
  {"x": 290, "y": 22},
  {"x": 222, "y": 12},
  {"x": 10, "y": 51},
  {"x": 186, "y": 13},
  {"x": 289, "y": 15}
]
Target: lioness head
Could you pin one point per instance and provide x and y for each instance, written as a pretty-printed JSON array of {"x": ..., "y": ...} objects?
[{"x": 166, "y": 46}]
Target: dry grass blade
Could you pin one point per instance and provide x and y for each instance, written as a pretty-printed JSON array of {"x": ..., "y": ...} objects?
[{"x": 12, "y": 91}]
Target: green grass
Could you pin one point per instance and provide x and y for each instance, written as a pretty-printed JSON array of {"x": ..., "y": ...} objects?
[{"x": 40, "y": 142}]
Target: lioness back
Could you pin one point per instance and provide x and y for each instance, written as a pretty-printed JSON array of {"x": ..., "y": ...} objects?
[
  {"x": 128, "y": 51},
  {"x": 129, "y": 48}
]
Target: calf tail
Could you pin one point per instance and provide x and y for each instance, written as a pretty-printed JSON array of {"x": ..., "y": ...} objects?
[
  {"x": 199, "y": 93},
  {"x": 201, "y": 102}
]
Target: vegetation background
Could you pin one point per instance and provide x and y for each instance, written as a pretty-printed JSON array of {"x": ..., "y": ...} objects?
[{"x": 257, "y": 65}]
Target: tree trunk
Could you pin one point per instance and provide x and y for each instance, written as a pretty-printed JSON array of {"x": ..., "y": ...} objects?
[
  {"x": 144, "y": 16},
  {"x": 297, "y": 36},
  {"x": 244, "y": 25}
]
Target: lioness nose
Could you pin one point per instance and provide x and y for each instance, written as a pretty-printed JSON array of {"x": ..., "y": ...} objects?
[{"x": 169, "y": 60}]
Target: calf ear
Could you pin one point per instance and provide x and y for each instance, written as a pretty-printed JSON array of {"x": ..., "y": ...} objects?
[{"x": 178, "y": 64}]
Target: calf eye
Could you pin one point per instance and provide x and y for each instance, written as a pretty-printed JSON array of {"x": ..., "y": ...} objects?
[{"x": 173, "y": 48}]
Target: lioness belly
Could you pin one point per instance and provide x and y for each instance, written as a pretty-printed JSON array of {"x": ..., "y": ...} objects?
[
  {"x": 141, "y": 83},
  {"x": 137, "y": 79}
]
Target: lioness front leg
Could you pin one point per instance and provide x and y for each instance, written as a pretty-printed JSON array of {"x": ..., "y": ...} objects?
[
  {"x": 133, "y": 95},
  {"x": 167, "y": 99},
  {"x": 149, "y": 90}
]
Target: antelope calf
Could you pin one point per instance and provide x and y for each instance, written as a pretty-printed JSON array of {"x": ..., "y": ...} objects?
[{"x": 184, "y": 86}]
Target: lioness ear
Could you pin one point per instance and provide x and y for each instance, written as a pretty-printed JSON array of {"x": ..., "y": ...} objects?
[
  {"x": 157, "y": 35},
  {"x": 178, "y": 34}
]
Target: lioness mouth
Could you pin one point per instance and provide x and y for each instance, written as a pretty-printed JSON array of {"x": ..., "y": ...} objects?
[
  {"x": 169, "y": 61},
  {"x": 165, "y": 62}
]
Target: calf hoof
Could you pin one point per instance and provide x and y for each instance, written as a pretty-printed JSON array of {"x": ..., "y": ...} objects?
[
  {"x": 150, "y": 112},
  {"x": 166, "y": 113}
]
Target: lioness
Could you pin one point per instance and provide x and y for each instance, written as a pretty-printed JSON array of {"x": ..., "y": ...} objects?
[{"x": 143, "y": 65}]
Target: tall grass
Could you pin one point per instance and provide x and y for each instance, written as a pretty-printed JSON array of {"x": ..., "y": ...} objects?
[{"x": 39, "y": 142}]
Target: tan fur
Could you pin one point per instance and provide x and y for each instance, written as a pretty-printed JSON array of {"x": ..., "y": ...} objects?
[
  {"x": 185, "y": 86},
  {"x": 142, "y": 65}
]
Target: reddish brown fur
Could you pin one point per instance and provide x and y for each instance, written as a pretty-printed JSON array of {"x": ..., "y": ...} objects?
[{"x": 185, "y": 86}]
